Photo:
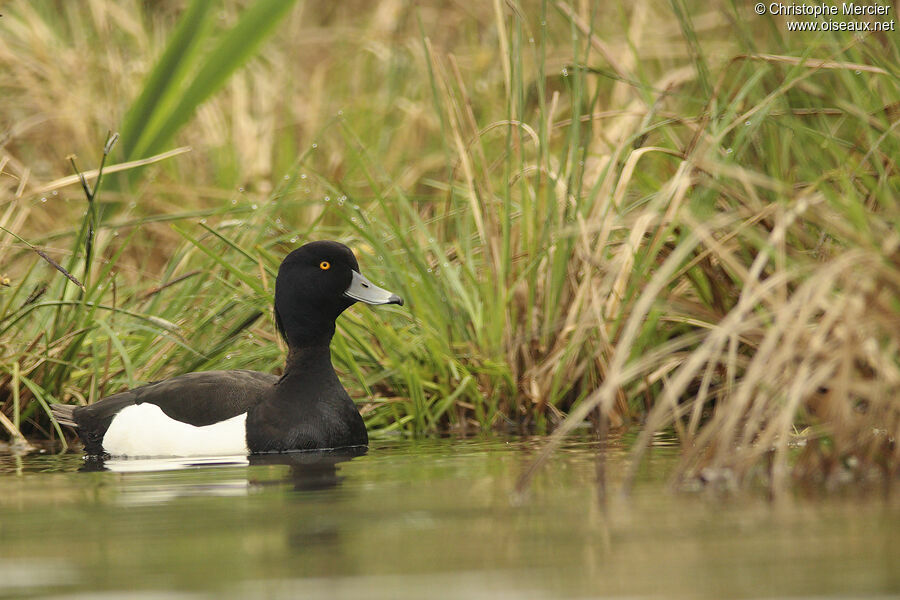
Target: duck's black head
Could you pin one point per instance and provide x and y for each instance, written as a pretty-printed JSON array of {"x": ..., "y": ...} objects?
[{"x": 315, "y": 284}]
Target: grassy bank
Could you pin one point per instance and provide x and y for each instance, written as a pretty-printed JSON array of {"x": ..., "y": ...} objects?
[{"x": 661, "y": 215}]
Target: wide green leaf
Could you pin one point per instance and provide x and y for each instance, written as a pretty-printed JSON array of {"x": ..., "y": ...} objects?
[{"x": 233, "y": 49}]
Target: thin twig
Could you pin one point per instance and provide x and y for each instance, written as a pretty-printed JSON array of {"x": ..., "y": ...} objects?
[{"x": 43, "y": 255}]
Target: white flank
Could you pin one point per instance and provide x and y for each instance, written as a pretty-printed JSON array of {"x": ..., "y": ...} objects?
[{"x": 145, "y": 430}]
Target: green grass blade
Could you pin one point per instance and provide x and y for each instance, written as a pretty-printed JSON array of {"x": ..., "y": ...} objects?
[
  {"x": 232, "y": 51},
  {"x": 166, "y": 77}
]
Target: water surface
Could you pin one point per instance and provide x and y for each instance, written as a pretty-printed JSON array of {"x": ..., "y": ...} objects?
[{"x": 424, "y": 519}]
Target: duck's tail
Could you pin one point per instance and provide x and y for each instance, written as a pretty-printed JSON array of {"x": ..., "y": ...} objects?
[{"x": 64, "y": 414}]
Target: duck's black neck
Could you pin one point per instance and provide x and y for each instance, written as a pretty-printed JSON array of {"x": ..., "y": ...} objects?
[
  {"x": 303, "y": 332},
  {"x": 308, "y": 363}
]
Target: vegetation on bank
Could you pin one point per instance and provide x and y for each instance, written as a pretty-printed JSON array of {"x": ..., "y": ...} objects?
[{"x": 665, "y": 215}]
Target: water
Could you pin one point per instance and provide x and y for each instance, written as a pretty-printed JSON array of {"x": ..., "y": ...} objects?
[{"x": 431, "y": 519}]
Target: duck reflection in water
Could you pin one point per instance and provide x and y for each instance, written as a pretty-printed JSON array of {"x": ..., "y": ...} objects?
[{"x": 308, "y": 471}]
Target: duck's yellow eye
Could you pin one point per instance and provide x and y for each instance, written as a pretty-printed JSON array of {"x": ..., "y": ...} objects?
[{"x": 324, "y": 265}]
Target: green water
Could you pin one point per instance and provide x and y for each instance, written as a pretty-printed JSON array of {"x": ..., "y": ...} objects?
[{"x": 428, "y": 519}]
